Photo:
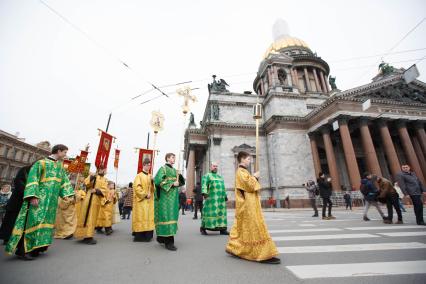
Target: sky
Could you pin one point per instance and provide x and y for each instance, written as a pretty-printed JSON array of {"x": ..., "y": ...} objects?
[{"x": 59, "y": 80}]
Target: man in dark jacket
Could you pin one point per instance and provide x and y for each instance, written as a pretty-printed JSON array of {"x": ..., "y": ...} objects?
[
  {"x": 325, "y": 193},
  {"x": 182, "y": 201},
  {"x": 312, "y": 188},
  {"x": 14, "y": 204},
  {"x": 411, "y": 185},
  {"x": 390, "y": 196},
  {"x": 198, "y": 201},
  {"x": 370, "y": 193}
]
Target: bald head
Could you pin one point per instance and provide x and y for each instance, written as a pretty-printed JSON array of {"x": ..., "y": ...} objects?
[{"x": 214, "y": 167}]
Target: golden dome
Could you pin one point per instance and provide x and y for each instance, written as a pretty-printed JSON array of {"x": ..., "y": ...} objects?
[{"x": 284, "y": 43}]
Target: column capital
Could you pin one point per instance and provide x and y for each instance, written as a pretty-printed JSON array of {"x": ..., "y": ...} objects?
[
  {"x": 401, "y": 123},
  {"x": 419, "y": 124},
  {"x": 363, "y": 120},
  {"x": 313, "y": 134},
  {"x": 344, "y": 119},
  {"x": 325, "y": 129}
]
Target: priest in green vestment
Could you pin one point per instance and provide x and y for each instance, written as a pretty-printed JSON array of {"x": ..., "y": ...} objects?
[
  {"x": 166, "y": 205},
  {"x": 33, "y": 230},
  {"x": 214, "y": 208}
]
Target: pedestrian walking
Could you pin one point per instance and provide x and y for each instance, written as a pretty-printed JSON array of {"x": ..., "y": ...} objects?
[
  {"x": 348, "y": 199},
  {"x": 390, "y": 196},
  {"x": 370, "y": 193},
  {"x": 128, "y": 202},
  {"x": 198, "y": 201},
  {"x": 411, "y": 186},
  {"x": 313, "y": 191},
  {"x": 182, "y": 200}
]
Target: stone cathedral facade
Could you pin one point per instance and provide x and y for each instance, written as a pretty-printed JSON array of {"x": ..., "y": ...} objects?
[{"x": 309, "y": 126}]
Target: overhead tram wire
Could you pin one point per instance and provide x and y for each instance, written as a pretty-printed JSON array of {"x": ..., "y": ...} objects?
[
  {"x": 394, "y": 46},
  {"x": 107, "y": 51},
  {"x": 375, "y": 55}
]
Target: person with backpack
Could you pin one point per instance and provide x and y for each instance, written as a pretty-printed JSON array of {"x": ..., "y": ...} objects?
[
  {"x": 370, "y": 193},
  {"x": 313, "y": 191},
  {"x": 390, "y": 197}
]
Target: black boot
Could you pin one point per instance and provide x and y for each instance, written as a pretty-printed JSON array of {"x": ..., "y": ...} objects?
[
  {"x": 224, "y": 232},
  {"x": 203, "y": 232},
  {"x": 273, "y": 260},
  {"x": 171, "y": 246},
  {"x": 90, "y": 241}
]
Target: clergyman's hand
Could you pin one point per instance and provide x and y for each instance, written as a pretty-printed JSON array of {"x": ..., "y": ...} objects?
[
  {"x": 176, "y": 183},
  {"x": 256, "y": 174},
  {"x": 148, "y": 196},
  {"x": 34, "y": 201}
]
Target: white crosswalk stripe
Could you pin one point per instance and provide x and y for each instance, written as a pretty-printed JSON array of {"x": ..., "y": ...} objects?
[
  {"x": 378, "y": 241},
  {"x": 358, "y": 269},
  {"x": 352, "y": 247},
  {"x": 403, "y": 234}
]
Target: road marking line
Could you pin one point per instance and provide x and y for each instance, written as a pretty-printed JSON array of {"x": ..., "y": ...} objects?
[
  {"x": 358, "y": 269},
  {"x": 304, "y": 230},
  {"x": 307, "y": 225},
  {"x": 396, "y": 227},
  {"x": 352, "y": 247},
  {"x": 403, "y": 234},
  {"x": 324, "y": 237}
]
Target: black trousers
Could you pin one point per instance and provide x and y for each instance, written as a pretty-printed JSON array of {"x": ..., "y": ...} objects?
[
  {"x": 393, "y": 200},
  {"x": 314, "y": 205},
  {"x": 418, "y": 208},
  {"x": 126, "y": 211},
  {"x": 198, "y": 205},
  {"x": 326, "y": 201},
  {"x": 145, "y": 236},
  {"x": 348, "y": 203},
  {"x": 182, "y": 206},
  {"x": 166, "y": 240}
]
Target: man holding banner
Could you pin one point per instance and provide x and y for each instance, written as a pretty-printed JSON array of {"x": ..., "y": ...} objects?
[
  {"x": 143, "y": 205},
  {"x": 96, "y": 188}
]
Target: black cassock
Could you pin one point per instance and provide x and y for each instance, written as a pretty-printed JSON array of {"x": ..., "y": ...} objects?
[{"x": 15, "y": 203}]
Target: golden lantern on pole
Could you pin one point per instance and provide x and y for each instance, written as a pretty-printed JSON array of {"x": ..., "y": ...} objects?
[
  {"x": 257, "y": 115},
  {"x": 157, "y": 124}
]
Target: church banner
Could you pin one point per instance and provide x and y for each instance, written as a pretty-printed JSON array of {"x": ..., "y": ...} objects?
[
  {"x": 77, "y": 165},
  {"x": 116, "y": 158},
  {"x": 104, "y": 149},
  {"x": 143, "y": 154}
]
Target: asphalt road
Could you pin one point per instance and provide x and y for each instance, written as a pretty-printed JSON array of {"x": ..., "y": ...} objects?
[{"x": 313, "y": 251}]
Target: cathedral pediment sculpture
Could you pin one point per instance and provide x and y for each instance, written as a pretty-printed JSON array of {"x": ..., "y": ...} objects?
[
  {"x": 397, "y": 93},
  {"x": 218, "y": 86}
]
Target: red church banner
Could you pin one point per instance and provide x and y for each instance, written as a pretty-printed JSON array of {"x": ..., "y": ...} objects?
[
  {"x": 143, "y": 154},
  {"x": 116, "y": 158},
  {"x": 104, "y": 149}
]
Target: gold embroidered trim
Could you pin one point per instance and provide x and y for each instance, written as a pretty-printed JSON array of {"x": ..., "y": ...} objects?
[
  {"x": 255, "y": 243},
  {"x": 167, "y": 223},
  {"x": 51, "y": 179},
  {"x": 31, "y": 183}
]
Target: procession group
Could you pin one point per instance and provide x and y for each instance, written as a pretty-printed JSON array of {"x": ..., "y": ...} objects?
[{"x": 44, "y": 204}]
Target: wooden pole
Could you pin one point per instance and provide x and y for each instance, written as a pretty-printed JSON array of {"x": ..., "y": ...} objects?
[{"x": 256, "y": 165}]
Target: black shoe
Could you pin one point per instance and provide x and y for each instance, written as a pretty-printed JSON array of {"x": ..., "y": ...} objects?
[
  {"x": 273, "y": 260},
  {"x": 183, "y": 213},
  {"x": 224, "y": 232},
  {"x": 195, "y": 218},
  {"x": 99, "y": 231},
  {"x": 421, "y": 224},
  {"x": 203, "y": 232},
  {"x": 385, "y": 218},
  {"x": 68, "y": 237},
  {"x": 90, "y": 241},
  {"x": 34, "y": 253},
  {"x": 315, "y": 215},
  {"x": 171, "y": 247},
  {"x": 108, "y": 231},
  {"x": 366, "y": 219},
  {"x": 25, "y": 256}
]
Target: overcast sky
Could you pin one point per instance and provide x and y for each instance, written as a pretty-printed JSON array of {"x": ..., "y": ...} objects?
[{"x": 57, "y": 85}]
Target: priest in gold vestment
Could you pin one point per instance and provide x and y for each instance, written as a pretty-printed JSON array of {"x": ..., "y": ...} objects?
[
  {"x": 143, "y": 205},
  {"x": 249, "y": 237},
  {"x": 96, "y": 188},
  {"x": 66, "y": 218},
  {"x": 106, "y": 211}
]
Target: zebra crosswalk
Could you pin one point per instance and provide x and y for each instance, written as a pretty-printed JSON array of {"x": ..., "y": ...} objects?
[{"x": 330, "y": 250}]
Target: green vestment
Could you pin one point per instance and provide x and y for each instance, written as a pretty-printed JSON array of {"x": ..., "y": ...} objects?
[
  {"x": 166, "y": 204},
  {"x": 214, "y": 208},
  {"x": 46, "y": 181}
]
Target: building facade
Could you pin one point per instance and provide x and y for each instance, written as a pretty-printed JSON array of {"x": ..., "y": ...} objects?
[
  {"x": 15, "y": 153},
  {"x": 310, "y": 126}
]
